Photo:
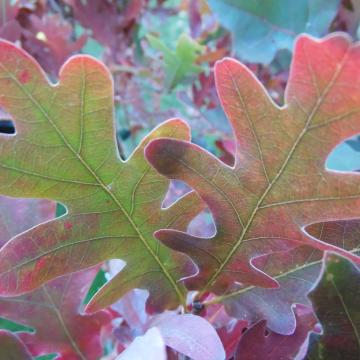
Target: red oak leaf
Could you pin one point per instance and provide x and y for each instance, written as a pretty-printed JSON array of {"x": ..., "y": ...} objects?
[
  {"x": 297, "y": 271},
  {"x": 279, "y": 183}
]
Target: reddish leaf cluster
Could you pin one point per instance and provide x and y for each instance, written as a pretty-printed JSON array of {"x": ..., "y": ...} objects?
[{"x": 46, "y": 36}]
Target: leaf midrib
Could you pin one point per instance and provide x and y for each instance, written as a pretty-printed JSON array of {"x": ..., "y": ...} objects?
[
  {"x": 279, "y": 173},
  {"x": 98, "y": 180}
]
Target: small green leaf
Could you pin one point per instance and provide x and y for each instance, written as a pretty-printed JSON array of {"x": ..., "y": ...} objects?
[{"x": 179, "y": 63}]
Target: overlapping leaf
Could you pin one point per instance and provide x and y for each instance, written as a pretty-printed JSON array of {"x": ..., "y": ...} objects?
[
  {"x": 279, "y": 183},
  {"x": 297, "y": 271},
  {"x": 10, "y": 29},
  {"x": 258, "y": 343},
  {"x": 177, "y": 330},
  {"x": 179, "y": 334},
  {"x": 54, "y": 312},
  {"x": 65, "y": 149},
  {"x": 336, "y": 303},
  {"x": 56, "y": 307}
]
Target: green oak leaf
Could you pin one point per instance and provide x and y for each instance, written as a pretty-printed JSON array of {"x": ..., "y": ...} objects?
[{"x": 65, "y": 149}]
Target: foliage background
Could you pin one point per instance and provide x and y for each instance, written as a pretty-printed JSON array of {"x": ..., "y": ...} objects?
[{"x": 161, "y": 54}]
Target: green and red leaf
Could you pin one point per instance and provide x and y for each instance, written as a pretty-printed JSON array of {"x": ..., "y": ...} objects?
[
  {"x": 55, "y": 307},
  {"x": 279, "y": 183},
  {"x": 65, "y": 149},
  {"x": 296, "y": 271}
]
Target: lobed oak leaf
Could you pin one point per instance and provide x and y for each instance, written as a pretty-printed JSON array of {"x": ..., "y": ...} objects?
[
  {"x": 279, "y": 183},
  {"x": 65, "y": 149},
  {"x": 297, "y": 271}
]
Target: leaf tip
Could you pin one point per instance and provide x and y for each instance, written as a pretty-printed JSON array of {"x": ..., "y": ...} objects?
[
  {"x": 226, "y": 63},
  {"x": 179, "y": 124},
  {"x": 91, "y": 307},
  {"x": 82, "y": 63},
  {"x": 334, "y": 36},
  {"x": 168, "y": 237}
]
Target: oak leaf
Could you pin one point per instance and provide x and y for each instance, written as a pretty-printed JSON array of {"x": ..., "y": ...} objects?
[
  {"x": 279, "y": 183},
  {"x": 65, "y": 149},
  {"x": 297, "y": 271}
]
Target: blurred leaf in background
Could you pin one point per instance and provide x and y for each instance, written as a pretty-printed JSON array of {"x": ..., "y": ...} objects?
[
  {"x": 179, "y": 63},
  {"x": 260, "y": 28}
]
